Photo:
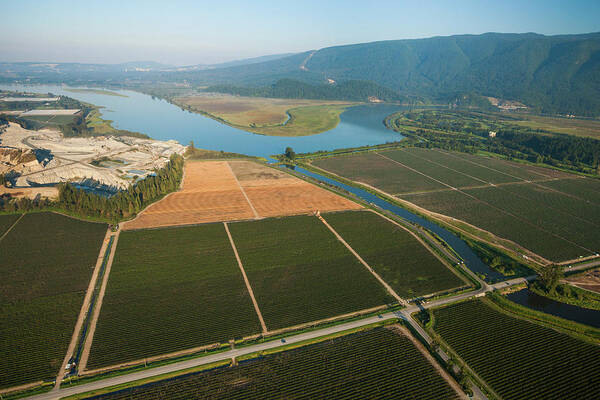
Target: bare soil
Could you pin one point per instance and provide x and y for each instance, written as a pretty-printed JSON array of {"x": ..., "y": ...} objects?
[{"x": 215, "y": 191}]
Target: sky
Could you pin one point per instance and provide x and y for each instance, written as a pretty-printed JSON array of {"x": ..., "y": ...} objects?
[{"x": 206, "y": 32}]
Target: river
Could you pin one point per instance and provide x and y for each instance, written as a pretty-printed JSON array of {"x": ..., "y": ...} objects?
[
  {"x": 359, "y": 126},
  {"x": 159, "y": 119}
]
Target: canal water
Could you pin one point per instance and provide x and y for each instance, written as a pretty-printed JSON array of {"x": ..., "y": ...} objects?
[{"x": 534, "y": 301}]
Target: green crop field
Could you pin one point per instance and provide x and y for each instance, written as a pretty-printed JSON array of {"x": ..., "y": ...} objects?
[
  {"x": 300, "y": 272},
  {"x": 170, "y": 290},
  {"x": 585, "y": 189},
  {"x": 6, "y": 221},
  {"x": 376, "y": 364},
  {"x": 517, "y": 358},
  {"x": 379, "y": 172},
  {"x": 461, "y": 165},
  {"x": 46, "y": 262},
  {"x": 400, "y": 259},
  {"x": 549, "y": 212},
  {"x": 497, "y": 221},
  {"x": 438, "y": 172}
]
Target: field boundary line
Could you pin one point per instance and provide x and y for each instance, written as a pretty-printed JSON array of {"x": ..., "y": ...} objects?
[
  {"x": 83, "y": 310},
  {"x": 435, "y": 364},
  {"x": 515, "y": 216},
  {"x": 242, "y": 190},
  {"x": 248, "y": 286},
  {"x": 444, "y": 166},
  {"x": 85, "y": 354},
  {"x": 11, "y": 227},
  {"x": 363, "y": 262},
  {"x": 429, "y": 248}
]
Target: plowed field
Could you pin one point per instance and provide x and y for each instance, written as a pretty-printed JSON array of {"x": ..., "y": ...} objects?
[{"x": 237, "y": 190}]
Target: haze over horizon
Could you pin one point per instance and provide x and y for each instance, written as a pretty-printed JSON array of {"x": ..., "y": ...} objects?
[{"x": 187, "y": 33}]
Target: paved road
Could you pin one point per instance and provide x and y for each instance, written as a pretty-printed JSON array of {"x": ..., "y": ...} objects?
[{"x": 178, "y": 366}]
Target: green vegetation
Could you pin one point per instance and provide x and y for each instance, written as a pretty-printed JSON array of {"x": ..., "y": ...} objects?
[
  {"x": 354, "y": 90},
  {"x": 192, "y": 153},
  {"x": 469, "y": 131},
  {"x": 304, "y": 121},
  {"x": 397, "y": 256},
  {"x": 379, "y": 363},
  {"x": 95, "y": 91},
  {"x": 301, "y": 273},
  {"x": 549, "y": 285},
  {"x": 517, "y": 358},
  {"x": 501, "y": 262},
  {"x": 171, "y": 290},
  {"x": 123, "y": 204},
  {"x": 46, "y": 264}
]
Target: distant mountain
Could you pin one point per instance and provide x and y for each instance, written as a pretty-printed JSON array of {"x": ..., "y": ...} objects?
[
  {"x": 558, "y": 74},
  {"x": 553, "y": 74}
]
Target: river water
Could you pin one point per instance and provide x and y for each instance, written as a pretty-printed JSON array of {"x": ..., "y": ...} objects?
[{"x": 159, "y": 119}]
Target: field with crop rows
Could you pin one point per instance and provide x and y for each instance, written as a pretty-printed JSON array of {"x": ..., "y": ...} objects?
[
  {"x": 517, "y": 358},
  {"x": 46, "y": 262},
  {"x": 400, "y": 259},
  {"x": 379, "y": 172},
  {"x": 6, "y": 221},
  {"x": 376, "y": 364},
  {"x": 549, "y": 212},
  {"x": 169, "y": 290},
  {"x": 301, "y": 273}
]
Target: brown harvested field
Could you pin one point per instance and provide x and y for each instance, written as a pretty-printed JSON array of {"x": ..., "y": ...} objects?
[
  {"x": 588, "y": 281},
  {"x": 236, "y": 190}
]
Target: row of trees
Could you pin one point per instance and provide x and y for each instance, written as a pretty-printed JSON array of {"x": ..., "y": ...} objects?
[
  {"x": 121, "y": 205},
  {"x": 469, "y": 132}
]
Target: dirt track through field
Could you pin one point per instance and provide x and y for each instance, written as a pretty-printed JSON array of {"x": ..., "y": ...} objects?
[
  {"x": 363, "y": 262},
  {"x": 11, "y": 227},
  {"x": 83, "y": 311},
  {"x": 96, "y": 312},
  {"x": 246, "y": 281},
  {"x": 218, "y": 191}
]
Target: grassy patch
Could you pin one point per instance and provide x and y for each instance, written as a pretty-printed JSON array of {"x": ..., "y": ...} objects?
[
  {"x": 170, "y": 290},
  {"x": 400, "y": 259},
  {"x": 46, "y": 263},
  {"x": 301, "y": 273},
  {"x": 378, "y": 361},
  {"x": 518, "y": 358},
  {"x": 268, "y": 116}
]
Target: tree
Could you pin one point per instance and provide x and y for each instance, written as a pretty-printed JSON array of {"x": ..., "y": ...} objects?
[
  {"x": 550, "y": 276},
  {"x": 289, "y": 153}
]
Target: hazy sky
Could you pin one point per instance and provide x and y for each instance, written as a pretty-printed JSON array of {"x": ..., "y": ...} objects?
[{"x": 199, "y": 32}]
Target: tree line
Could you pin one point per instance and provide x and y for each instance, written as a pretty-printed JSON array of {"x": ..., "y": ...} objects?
[{"x": 119, "y": 206}]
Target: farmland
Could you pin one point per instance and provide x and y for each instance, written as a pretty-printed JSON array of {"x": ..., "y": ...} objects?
[
  {"x": 236, "y": 190},
  {"x": 268, "y": 116},
  {"x": 301, "y": 273},
  {"x": 548, "y": 212},
  {"x": 46, "y": 263},
  {"x": 6, "y": 221},
  {"x": 170, "y": 290},
  {"x": 380, "y": 363},
  {"x": 397, "y": 256},
  {"x": 517, "y": 358}
]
